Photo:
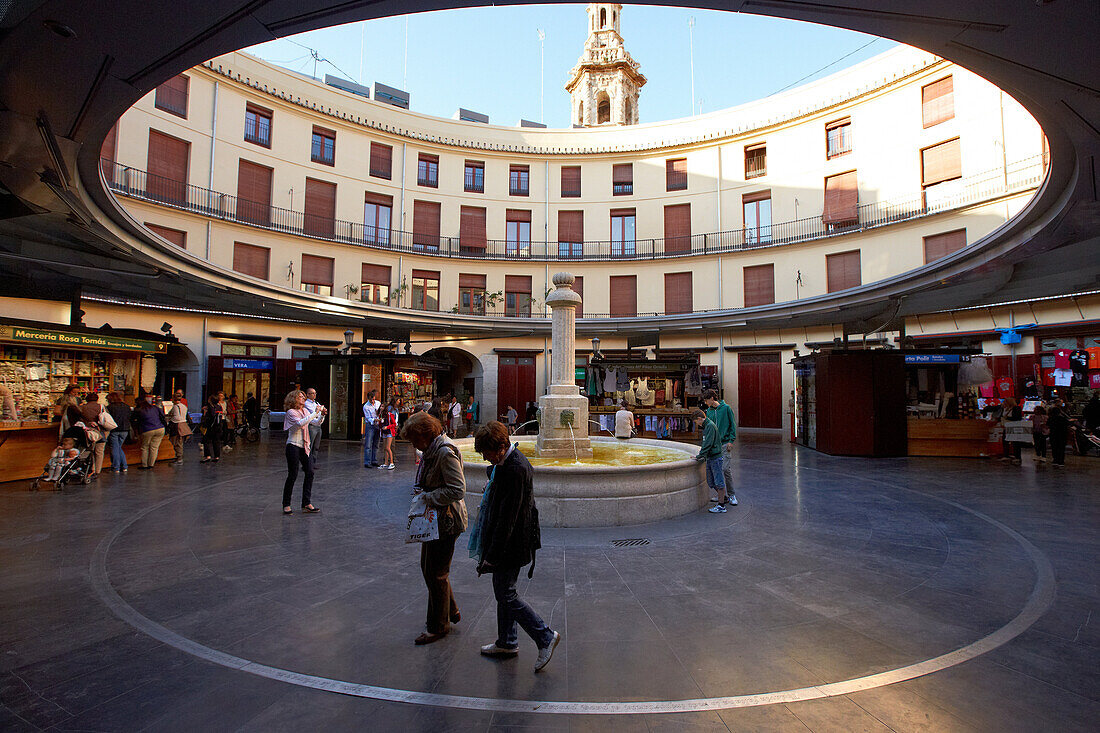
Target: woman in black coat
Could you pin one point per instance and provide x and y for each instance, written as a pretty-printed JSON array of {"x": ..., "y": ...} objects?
[
  {"x": 506, "y": 539},
  {"x": 1058, "y": 423}
]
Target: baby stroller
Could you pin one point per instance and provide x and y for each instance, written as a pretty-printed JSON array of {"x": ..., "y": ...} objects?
[{"x": 76, "y": 471}]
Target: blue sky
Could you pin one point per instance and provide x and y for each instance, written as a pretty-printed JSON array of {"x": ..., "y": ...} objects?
[{"x": 487, "y": 59}]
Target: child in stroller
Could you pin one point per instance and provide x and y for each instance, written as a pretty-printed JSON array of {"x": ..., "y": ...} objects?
[{"x": 70, "y": 462}]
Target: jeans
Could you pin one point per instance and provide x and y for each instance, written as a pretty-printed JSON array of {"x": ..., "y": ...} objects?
[
  {"x": 370, "y": 445},
  {"x": 435, "y": 565},
  {"x": 511, "y": 611},
  {"x": 727, "y": 468},
  {"x": 296, "y": 456},
  {"x": 714, "y": 474},
  {"x": 212, "y": 442},
  {"x": 115, "y": 439}
]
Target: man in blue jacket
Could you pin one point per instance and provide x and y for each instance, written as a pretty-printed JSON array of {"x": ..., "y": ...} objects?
[{"x": 721, "y": 415}]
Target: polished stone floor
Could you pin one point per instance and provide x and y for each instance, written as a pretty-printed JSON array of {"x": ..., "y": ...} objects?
[{"x": 841, "y": 595}]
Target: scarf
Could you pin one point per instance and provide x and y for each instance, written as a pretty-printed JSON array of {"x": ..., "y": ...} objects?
[{"x": 475, "y": 546}]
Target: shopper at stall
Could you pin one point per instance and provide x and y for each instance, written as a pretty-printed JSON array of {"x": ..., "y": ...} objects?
[
  {"x": 443, "y": 484},
  {"x": 388, "y": 429},
  {"x": 8, "y": 410},
  {"x": 1010, "y": 412},
  {"x": 69, "y": 398},
  {"x": 149, "y": 424},
  {"x": 178, "y": 429},
  {"x": 435, "y": 409},
  {"x": 505, "y": 539},
  {"x": 624, "y": 422},
  {"x": 722, "y": 416},
  {"x": 212, "y": 425},
  {"x": 372, "y": 422},
  {"x": 121, "y": 413},
  {"x": 710, "y": 453},
  {"x": 298, "y": 447},
  {"x": 1058, "y": 424},
  {"x": 91, "y": 410}
]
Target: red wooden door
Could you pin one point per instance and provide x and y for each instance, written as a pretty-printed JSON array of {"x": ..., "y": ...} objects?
[
  {"x": 515, "y": 383},
  {"x": 759, "y": 391}
]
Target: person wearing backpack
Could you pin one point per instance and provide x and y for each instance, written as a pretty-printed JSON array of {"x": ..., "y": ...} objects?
[{"x": 506, "y": 537}]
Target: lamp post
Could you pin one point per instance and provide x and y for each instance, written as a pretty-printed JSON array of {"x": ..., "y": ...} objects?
[
  {"x": 348, "y": 336},
  {"x": 595, "y": 347}
]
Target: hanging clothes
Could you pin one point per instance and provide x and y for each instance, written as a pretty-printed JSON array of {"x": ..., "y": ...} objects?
[
  {"x": 592, "y": 382},
  {"x": 693, "y": 382},
  {"x": 643, "y": 393},
  {"x": 610, "y": 379},
  {"x": 622, "y": 380}
]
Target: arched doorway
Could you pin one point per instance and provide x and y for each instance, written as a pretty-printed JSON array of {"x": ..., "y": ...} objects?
[{"x": 464, "y": 378}]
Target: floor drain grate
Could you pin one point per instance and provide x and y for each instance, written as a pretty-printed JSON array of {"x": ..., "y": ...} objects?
[{"x": 635, "y": 542}]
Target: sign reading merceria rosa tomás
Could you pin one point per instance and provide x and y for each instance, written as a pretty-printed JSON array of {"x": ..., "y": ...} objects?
[{"x": 79, "y": 340}]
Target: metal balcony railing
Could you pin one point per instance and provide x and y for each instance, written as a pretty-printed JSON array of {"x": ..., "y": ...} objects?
[{"x": 132, "y": 183}]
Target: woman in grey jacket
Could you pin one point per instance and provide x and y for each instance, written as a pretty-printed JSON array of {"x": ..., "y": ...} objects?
[{"x": 443, "y": 483}]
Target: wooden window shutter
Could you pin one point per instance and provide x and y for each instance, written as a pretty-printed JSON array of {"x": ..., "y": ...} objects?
[
  {"x": 376, "y": 274},
  {"x": 622, "y": 173},
  {"x": 175, "y": 236},
  {"x": 378, "y": 199},
  {"x": 317, "y": 270},
  {"x": 518, "y": 215},
  {"x": 676, "y": 174},
  {"x": 517, "y": 284},
  {"x": 320, "y": 208},
  {"x": 468, "y": 280},
  {"x": 570, "y": 226},
  {"x": 471, "y": 232},
  {"x": 941, "y": 163},
  {"x": 426, "y": 223},
  {"x": 759, "y": 285},
  {"x": 624, "y": 296},
  {"x": 678, "y": 228},
  {"x": 749, "y": 198},
  {"x": 171, "y": 96},
  {"x": 109, "y": 149},
  {"x": 570, "y": 181},
  {"x": 841, "y": 199},
  {"x": 167, "y": 167},
  {"x": 678, "y": 295},
  {"x": 937, "y": 101},
  {"x": 941, "y": 245},
  {"x": 253, "y": 192},
  {"x": 426, "y": 274},
  {"x": 381, "y": 160},
  {"x": 249, "y": 259},
  {"x": 842, "y": 271},
  {"x": 578, "y": 288}
]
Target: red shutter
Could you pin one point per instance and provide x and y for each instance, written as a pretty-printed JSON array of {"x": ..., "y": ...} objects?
[
  {"x": 381, "y": 160},
  {"x": 570, "y": 181},
  {"x": 426, "y": 223},
  {"x": 759, "y": 285},
  {"x": 517, "y": 284},
  {"x": 467, "y": 280},
  {"x": 841, "y": 199},
  {"x": 471, "y": 232},
  {"x": 426, "y": 274},
  {"x": 517, "y": 215},
  {"x": 317, "y": 270},
  {"x": 109, "y": 149},
  {"x": 941, "y": 162},
  {"x": 320, "y": 208},
  {"x": 167, "y": 167},
  {"x": 678, "y": 295},
  {"x": 254, "y": 193},
  {"x": 842, "y": 271},
  {"x": 175, "y": 236},
  {"x": 676, "y": 174},
  {"x": 622, "y": 173},
  {"x": 378, "y": 199},
  {"x": 941, "y": 245},
  {"x": 570, "y": 226},
  {"x": 624, "y": 296},
  {"x": 578, "y": 288},
  {"x": 376, "y": 274},
  {"x": 249, "y": 259},
  {"x": 171, "y": 96},
  {"x": 937, "y": 101},
  {"x": 678, "y": 228}
]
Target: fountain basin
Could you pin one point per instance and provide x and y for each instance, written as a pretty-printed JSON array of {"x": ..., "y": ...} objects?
[{"x": 596, "y": 495}]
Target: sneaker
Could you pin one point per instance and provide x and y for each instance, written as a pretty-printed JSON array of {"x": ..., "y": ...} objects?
[
  {"x": 492, "y": 650},
  {"x": 390, "y": 467},
  {"x": 714, "y": 500},
  {"x": 717, "y": 509},
  {"x": 732, "y": 501},
  {"x": 546, "y": 652}
]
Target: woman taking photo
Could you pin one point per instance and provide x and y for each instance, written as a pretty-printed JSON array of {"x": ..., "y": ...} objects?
[
  {"x": 297, "y": 421},
  {"x": 443, "y": 484},
  {"x": 389, "y": 430}
]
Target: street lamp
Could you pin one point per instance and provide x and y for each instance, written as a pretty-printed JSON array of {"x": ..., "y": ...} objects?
[
  {"x": 348, "y": 336},
  {"x": 596, "y": 347}
]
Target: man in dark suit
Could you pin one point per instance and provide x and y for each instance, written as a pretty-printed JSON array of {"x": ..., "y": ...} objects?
[{"x": 506, "y": 539}]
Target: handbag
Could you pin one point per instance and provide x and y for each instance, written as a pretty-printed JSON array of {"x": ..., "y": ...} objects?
[
  {"x": 106, "y": 421},
  {"x": 423, "y": 524}
]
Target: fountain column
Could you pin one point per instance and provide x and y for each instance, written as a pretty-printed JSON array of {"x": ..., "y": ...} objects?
[{"x": 563, "y": 422}]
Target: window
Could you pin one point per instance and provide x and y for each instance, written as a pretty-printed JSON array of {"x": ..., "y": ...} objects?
[
  {"x": 253, "y": 193},
  {"x": 622, "y": 233},
  {"x": 759, "y": 285},
  {"x": 603, "y": 108},
  {"x": 842, "y": 271},
  {"x": 381, "y": 160},
  {"x": 425, "y": 290},
  {"x": 758, "y": 217},
  {"x": 941, "y": 163},
  {"x": 517, "y": 295},
  {"x": 427, "y": 170},
  {"x": 756, "y": 160},
  {"x": 171, "y": 96},
  {"x": 622, "y": 179},
  {"x": 249, "y": 259},
  {"x": 937, "y": 101},
  {"x": 941, "y": 245},
  {"x": 578, "y": 288},
  {"x": 838, "y": 138},
  {"x": 168, "y": 163},
  {"x": 570, "y": 181},
  {"x": 471, "y": 232},
  {"x": 323, "y": 148},
  {"x": 519, "y": 180},
  {"x": 377, "y": 212},
  {"x": 570, "y": 234},
  {"x": 623, "y": 290},
  {"x": 375, "y": 287},
  {"x": 841, "y": 200},
  {"x": 678, "y": 295},
  {"x": 257, "y": 125},
  {"x": 426, "y": 224},
  {"x": 517, "y": 232},
  {"x": 678, "y": 229},
  {"x": 175, "y": 236},
  {"x": 317, "y": 274},
  {"x": 319, "y": 219},
  {"x": 231, "y": 349},
  {"x": 676, "y": 174},
  {"x": 474, "y": 177},
  {"x": 471, "y": 294}
]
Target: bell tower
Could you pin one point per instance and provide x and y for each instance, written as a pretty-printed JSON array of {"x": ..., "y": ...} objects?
[{"x": 604, "y": 85}]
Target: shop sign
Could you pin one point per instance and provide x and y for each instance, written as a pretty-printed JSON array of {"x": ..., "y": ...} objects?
[
  {"x": 248, "y": 364},
  {"x": 66, "y": 339},
  {"x": 579, "y": 373},
  {"x": 936, "y": 358},
  {"x": 648, "y": 367}
]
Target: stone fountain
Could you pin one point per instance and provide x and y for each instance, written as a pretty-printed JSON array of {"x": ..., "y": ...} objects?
[{"x": 563, "y": 411}]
